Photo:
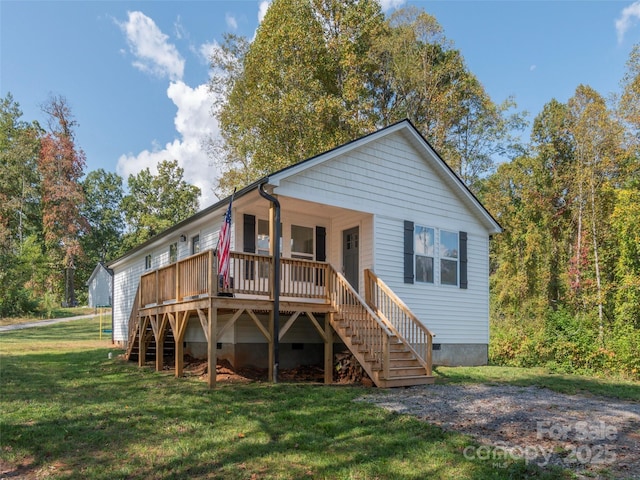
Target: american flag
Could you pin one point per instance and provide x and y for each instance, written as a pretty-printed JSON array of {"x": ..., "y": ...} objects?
[{"x": 224, "y": 244}]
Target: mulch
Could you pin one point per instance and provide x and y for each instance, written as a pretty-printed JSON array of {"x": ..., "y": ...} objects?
[{"x": 226, "y": 373}]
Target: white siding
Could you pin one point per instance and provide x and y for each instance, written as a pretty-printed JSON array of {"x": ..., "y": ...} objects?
[
  {"x": 455, "y": 315},
  {"x": 393, "y": 181},
  {"x": 125, "y": 285},
  {"x": 99, "y": 289},
  {"x": 127, "y": 273}
]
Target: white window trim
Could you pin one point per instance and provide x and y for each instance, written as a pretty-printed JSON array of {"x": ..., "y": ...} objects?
[
  {"x": 437, "y": 258},
  {"x": 442, "y": 257}
]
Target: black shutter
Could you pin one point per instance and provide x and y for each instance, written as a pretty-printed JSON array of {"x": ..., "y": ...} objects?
[
  {"x": 249, "y": 244},
  {"x": 321, "y": 252},
  {"x": 408, "y": 251},
  {"x": 463, "y": 259},
  {"x": 321, "y": 244}
]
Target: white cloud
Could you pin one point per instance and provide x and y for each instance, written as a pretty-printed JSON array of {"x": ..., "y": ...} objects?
[
  {"x": 262, "y": 9},
  {"x": 179, "y": 29},
  {"x": 206, "y": 50},
  {"x": 194, "y": 124},
  {"x": 387, "y": 5},
  {"x": 232, "y": 23},
  {"x": 628, "y": 17},
  {"x": 532, "y": 68},
  {"x": 152, "y": 52}
]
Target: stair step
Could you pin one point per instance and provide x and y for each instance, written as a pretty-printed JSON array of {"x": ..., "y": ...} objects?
[
  {"x": 404, "y": 355},
  {"x": 407, "y": 381},
  {"x": 405, "y": 362},
  {"x": 406, "y": 371}
]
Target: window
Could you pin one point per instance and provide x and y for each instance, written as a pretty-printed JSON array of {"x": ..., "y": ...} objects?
[
  {"x": 423, "y": 240},
  {"x": 147, "y": 262},
  {"x": 173, "y": 252},
  {"x": 448, "y": 258},
  {"x": 195, "y": 244},
  {"x": 301, "y": 242},
  {"x": 302, "y": 247},
  {"x": 263, "y": 237}
]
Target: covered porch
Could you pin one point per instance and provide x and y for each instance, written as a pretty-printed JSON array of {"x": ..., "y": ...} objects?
[{"x": 390, "y": 343}]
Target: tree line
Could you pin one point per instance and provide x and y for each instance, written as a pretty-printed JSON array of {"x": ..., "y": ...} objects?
[
  {"x": 565, "y": 274},
  {"x": 56, "y": 223}
]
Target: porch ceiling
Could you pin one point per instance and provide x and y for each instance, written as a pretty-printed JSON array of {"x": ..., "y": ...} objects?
[{"x": 293, "y": 205}]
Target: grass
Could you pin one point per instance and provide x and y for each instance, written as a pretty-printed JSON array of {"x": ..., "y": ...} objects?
[
  {"x": 68, "y": 411},
  {"x": 58, "y": 312},
  {"x": 621, "y": 388}
]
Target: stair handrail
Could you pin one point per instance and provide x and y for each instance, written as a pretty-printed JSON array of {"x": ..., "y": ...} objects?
[
  {"x": 374, "y": 332},
  {"x": 389, "y": 307},
  {"x": 134, "y": 320}
]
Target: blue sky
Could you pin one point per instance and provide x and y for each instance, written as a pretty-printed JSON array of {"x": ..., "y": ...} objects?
[{"x": 135, "y": 73}]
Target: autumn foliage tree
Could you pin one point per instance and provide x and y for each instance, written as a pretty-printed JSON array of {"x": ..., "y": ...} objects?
[{"x": 61, "y": 166}]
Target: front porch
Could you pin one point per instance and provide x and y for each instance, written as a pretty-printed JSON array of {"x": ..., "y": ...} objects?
[{"x": 390, "y": 343}]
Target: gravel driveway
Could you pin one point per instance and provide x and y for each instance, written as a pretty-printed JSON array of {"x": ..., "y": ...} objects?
[{"x": 595, "y": 437}]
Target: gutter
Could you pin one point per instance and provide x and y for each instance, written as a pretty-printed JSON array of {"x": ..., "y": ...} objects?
[{"x": 275, "y": 243}]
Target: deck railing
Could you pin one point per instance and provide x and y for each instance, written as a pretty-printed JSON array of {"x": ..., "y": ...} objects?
[
  {"x": 364, "y": 323},
  {"x": 195, "y": 276},
  {"x": 401, "y": 320}
]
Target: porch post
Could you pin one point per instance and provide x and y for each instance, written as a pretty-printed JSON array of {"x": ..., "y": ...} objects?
[
  {"x": 328, "y": 349},
  {"x": 160, "y": 325},
  {"x": 142, "y": 341},
  {"x": 212, "y": 337}
]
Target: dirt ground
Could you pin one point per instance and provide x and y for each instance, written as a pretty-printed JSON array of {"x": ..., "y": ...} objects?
[{"x": 595, "y": 437}]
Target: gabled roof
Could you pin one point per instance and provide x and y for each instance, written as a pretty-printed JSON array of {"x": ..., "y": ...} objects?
[
  {"x": 96, "y": 270},
  {"x": 414, "y": 136},
  {"x": 274, "y": 179}
]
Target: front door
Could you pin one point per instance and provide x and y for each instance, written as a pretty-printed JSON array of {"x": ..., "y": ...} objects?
[{"x": 350, "y": 256}]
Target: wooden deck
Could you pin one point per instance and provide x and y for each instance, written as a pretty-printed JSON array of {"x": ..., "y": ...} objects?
[{"x": 391, "y": 344}]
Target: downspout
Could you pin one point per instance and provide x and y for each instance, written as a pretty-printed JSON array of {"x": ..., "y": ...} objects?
[{"x": 276, "y": 279}]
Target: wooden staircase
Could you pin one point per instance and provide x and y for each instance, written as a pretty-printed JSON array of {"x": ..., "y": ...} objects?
[
  {"x": 133, "y": 350},
  {"x": 385, "y": 354}
]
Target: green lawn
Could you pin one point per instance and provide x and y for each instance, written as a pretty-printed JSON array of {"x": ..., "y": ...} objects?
[
  {"x": 572, "y": 384},
  {"x": 68, "y": 411},
  {"x": 59, "y": 312}
]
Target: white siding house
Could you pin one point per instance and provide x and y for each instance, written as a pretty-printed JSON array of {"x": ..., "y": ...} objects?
[
  {"x": 100, "y": 287},
  {"x": 386, "y": 203}
]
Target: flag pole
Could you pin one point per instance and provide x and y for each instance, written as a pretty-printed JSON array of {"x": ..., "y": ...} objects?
[{"x": 224, "y": 246}]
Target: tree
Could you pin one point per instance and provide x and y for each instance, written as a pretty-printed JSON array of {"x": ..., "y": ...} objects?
[
  {"x": 423, "y": 78},
  {"x": 103, "y": 211},
  {"x": 598, "y": 140},
  {"x": 629, "y": 105},
  {"x": 21, "y": 268},
  {"x": 19, "y": 180},
  {"x": 305, "y": 81},
  {"x": 61, "y": 167},
  {"x": 156, "y": 202},
  {"x": 322, "y": 72}
]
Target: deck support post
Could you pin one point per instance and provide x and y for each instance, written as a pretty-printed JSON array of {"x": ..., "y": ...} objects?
[
  {"x": 181, "y": 327},
  {"x": 159, "y": 325},
  {"x": 212, "y": 343},
  {"x": 271, "y": 375},
  {"x": 328, "y": 350},
  {"x": 142, "y": 341},
  {"x": 160, "y": 345}
]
